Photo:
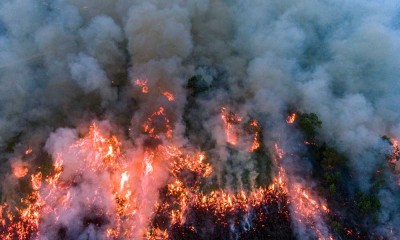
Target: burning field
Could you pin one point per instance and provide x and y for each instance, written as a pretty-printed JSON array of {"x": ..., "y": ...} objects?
[{"x": 204, "y": 119}]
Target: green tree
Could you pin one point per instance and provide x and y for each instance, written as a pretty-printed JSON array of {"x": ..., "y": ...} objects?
[
  {"x": 331, "y": 158},
  {"x": 331, "y": 177},
  {"x": 367, "y": 203},
  {"x": 332, "y": 189},
  {"x": 336, "y": 226},
  {"x": 309, "y": 122}
]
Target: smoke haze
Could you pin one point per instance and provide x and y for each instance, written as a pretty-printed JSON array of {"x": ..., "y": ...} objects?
[{"x": 66, "y": 63}]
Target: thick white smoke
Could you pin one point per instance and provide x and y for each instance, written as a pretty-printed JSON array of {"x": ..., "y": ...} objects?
[{"x": 64, "y": 63}]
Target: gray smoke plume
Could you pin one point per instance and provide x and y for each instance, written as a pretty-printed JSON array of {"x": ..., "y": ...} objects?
[{"x": 65, "y": 63}]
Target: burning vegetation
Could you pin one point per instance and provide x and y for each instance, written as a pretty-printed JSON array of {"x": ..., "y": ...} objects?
[
  {"x": 188, "y": 197},
  {"x": 199, "y": 119}
]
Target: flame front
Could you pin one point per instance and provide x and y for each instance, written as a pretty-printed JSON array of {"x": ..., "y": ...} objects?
[{"x": 124, "y": 186}]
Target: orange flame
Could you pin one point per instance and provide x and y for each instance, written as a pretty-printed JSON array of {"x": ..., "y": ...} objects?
[
  {"x": 256, "y": 138},
  {"x": 291, "y": 118},
  {"x": 152, "y": 129},
  {"x": 36, "y": 180},
  {"x": 307, "y": 208},
  {"x": 130, "y": 178},
  {"x": 230, "y": 120},
  {"x": 20, "y": 171}
]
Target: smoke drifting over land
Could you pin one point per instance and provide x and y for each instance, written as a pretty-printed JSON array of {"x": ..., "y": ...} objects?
[{"x": 125, "y": 65}]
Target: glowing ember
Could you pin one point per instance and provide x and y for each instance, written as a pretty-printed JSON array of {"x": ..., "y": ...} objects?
[
  {"x": 20, "y": 171},
  {"x": 278, "y": 151},
  {"x": 157, "y": 123},
  {"x": 291, "y": 118},
  {"x": 28, "y": 151},
  {"x": 143, "y": 85},
  {"x": 170, "y": 97},
  {"x": 309, "y": 143}
]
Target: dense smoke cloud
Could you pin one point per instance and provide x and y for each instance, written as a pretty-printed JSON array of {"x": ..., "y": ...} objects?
[{"x": 64, "y": 63}]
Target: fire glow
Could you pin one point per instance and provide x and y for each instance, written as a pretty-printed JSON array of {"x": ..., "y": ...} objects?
[
  {"x": 393, "y": 158},
  {"x": 103, "y": 154},
  {"x": 230, "y": 120},
  {"x": 142, "y": 84},
  {"x": 20, "y": 171},
  {"x": 307, "y": 209},
  {"x": 291, "y": 118},
  {"x": 169, "y": 96}
]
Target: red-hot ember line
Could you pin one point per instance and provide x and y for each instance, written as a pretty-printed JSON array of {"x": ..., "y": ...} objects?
[
  {"x": 221, "y": 207},
  {"x": 169, "y": 96}
]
